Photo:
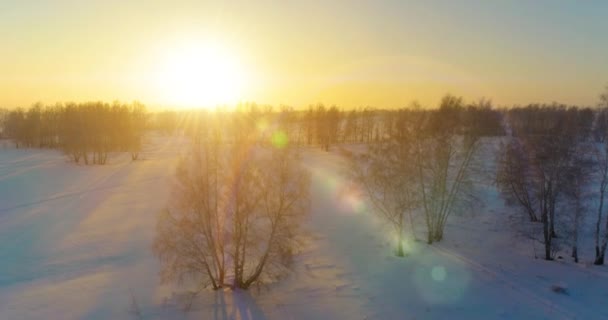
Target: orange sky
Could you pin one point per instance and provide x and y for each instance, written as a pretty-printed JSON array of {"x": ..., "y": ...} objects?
[{"x": 350, "y": 53}]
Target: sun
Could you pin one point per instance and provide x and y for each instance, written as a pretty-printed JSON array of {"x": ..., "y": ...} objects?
[{"x": 201, "y": 76}]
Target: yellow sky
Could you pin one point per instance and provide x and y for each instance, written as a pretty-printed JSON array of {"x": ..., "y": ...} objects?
[{"x": 350, "y": 53}]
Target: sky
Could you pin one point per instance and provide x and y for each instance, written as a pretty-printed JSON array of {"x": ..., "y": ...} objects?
[{"x": 354, "y": 53}]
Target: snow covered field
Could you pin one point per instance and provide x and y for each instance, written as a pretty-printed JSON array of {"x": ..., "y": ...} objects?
[{"x": 75, "y": 242}]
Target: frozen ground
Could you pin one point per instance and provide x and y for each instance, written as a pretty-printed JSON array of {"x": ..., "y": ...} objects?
[{"x": 75, "y": 243}]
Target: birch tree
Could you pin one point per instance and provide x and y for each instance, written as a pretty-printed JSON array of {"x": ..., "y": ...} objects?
[
  {"x": 387, "y": 173},
  {"x": 234, "y": 216},
  {"x": 445, "y": 152}
]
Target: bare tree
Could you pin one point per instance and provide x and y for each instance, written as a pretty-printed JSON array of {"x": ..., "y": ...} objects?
[
  {"x": 286, "y": 120},
  {"x": 135, "y": 130},
  {"x": 445, "y": 152},
  {"x": 308, "y": 122},
  {"x": 351, "y": 127},
  {"x": 191, "y": 235},
  {"x": 536, "y": 163},
  {"x": 601, "y": 237},
  {"x": 327, "y": 125},
  {"x": 367, "y": 124},
  {"x": 578, "y": 175},
  {"x": 601, "y": 163},
  {"x": 513, "y": 177},
  {"x": 387, "y": 172},
  {"x": 234, "y": 216}
]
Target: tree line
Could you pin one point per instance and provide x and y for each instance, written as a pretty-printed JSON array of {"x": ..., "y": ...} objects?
[
  {"x": 85, "y": 132},
  {"x": 316, "y": 125}
]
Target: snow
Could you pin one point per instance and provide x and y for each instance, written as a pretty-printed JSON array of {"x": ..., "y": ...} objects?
[{"x": 75, "y": 242}]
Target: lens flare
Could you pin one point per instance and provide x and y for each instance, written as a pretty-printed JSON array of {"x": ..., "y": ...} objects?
[
  {"x": 262, "y": 125},
  {"x": 438, "y": 273},
  {"x": 437, "y": 283},
  {"x": 279, "y": 139},
  {"x": 351, "y": 198}
]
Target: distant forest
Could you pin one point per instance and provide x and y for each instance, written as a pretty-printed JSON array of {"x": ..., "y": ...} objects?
[{"x": 98, "y": 127}]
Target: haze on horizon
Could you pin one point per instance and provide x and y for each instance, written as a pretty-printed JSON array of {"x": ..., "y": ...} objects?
[{"x": 349, "y": 53}]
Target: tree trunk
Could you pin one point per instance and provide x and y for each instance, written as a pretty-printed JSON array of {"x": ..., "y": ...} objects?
[
  {"x": 552, "y": 218},
  {"x": 400, "y": 252},
  {"x": 438, "y": 234},
  {"x": 547, "y": 236},
  {"x": 599, "y": 253},
  {"x": 599, "y": 256},
  {"x": 429, "y": 233},
  {"x": 578, "y": 212},
  {"x": 412, "y": 226}
]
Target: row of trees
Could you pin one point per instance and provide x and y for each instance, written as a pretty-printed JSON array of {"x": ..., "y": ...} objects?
[
  {"x": 317, "y": 125},
  {"x": 553, "y": 166},
  {"x": 85, "y": 131}
]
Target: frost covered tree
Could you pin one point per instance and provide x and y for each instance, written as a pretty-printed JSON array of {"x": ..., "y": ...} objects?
[{"x": 234, "y": 215}]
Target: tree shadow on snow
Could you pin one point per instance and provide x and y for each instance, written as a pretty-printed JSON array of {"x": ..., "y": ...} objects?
[{"x": 241, "y": 307}]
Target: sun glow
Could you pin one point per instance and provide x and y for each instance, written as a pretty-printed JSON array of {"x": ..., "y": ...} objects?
[{"x": 201, "y": 76}]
